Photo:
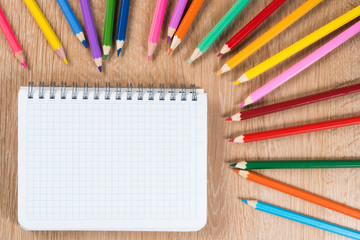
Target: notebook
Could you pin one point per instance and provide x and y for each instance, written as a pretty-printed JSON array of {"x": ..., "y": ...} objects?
[{"x": 117, "y": 159}]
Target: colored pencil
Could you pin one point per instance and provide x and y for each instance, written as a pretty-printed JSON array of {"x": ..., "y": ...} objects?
[
  {"x": 218, "y": 29},
  {"x": 303, "y": 64},
  {"x": 156, "y": 26},
  {"x": 289, "y": 131},
  {"x": 294, "y": 103},
  {"x": 11, "y": 39},
  {"x": 248, "y": 28},
  {"x": 304, "y": 219},
  {"x": 176, "y": 17},
  {"x": 108, "y": 27},
  {"x": 299, "y": 45},
  {"x": 297, "y": 164},
  {"x": 91, "y": 33},
  {"x": 72, "y": 20},
  {"x": 269, "y": 35},
  {"x": 185, "y": 24},
  {"x": 299, "y": 193},
  {"x": 46, "y": 28},
  {"x": 122, "y": 25}
]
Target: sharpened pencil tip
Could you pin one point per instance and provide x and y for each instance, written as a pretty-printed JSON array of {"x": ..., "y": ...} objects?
[
  {"x": 100, "y": 69},
  {"x": 245, "y": 201},
  {"x": 219, "y": 54},
  {"x": 149, "y": 58},
  {"x": 66, "y": 61},
  {"x": 235, "y": 170},
  {"x": 84, "y": 43},
  {"x": 219, "y": 73},
  {"x": 233, "y": 165},
  {"x": 170, "y": 51},
  {"x": 232, "y": 140},
  {"x": 228, "y": 119},
  {"x": 168, "y": 39},
  {"x": 24, "y": 64},
  {"x": 106, "y": 56},
  {"x": 118, "y": 52},
  {"x": 189, "y": 62},
  {"x": 241, "y": 105}
]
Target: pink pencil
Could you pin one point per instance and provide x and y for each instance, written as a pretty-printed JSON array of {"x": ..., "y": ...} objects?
[
  {"x": 303, "y": 64},
  {"x": 176, "y": 17},
  {"x": 11, "y": 39},
  {"x": 156, "y": 26}
]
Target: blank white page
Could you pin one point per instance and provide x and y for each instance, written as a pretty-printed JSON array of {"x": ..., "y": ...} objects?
[{"x": 87, "y": 164}]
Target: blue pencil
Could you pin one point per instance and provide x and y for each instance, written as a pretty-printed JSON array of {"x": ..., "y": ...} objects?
[
  {"x": 72, "y": 20},
  {"x": 297, "y": 217},
  {"x": 122, "y": 24}
]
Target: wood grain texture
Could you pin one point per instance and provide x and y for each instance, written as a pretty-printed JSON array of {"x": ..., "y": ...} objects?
[{"x": 228, "y": 218}]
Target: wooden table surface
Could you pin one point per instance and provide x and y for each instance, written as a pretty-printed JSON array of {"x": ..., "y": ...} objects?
[{"x": 228, "y": 217}]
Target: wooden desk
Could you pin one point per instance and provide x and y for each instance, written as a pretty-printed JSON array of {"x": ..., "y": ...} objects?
[{"x": 228, "y": 218}]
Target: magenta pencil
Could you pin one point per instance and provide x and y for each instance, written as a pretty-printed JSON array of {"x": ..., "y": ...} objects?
[
  {"x": 176, "y": 17},
  {"x": 156, "y": 26},
  {"x": 11, "y": 39},
  {"x": 303, "y": 64}
]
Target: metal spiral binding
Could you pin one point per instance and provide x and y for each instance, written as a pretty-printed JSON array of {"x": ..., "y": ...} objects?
[
  {"x": 129, "y": 92},
  {"x": 107, "y": 91},
  {"x": 63, "y": 90},
  {"x": 86, "y": 91},
  {"x": 31, "y": 90},
  {"x": 140, "y": 92},
  {"x": 52, "y": 90},
  {"x": 74, "y": 91},
  {"x": 118, "y": 93},
  {"x": 41, "y": 90}
]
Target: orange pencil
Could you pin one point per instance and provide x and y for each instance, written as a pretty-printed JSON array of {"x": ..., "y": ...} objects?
[
  {"x": 296, "y": 192},
  {"x": 186, "y": 23}
]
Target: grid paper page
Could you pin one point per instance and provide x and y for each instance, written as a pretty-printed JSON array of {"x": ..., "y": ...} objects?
[{"x": 87, "y": 164}]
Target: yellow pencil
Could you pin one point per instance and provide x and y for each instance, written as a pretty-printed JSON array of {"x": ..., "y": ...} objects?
[
  {"x": 270, "y": 34},
  {"x": 299, "y": 45},
  {"x": 46, "y": 28}
]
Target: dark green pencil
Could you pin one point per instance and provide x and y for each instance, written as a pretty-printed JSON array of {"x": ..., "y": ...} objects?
[
  {"x": 297, "y": 164},
  {"x": 108, "y": 27}
]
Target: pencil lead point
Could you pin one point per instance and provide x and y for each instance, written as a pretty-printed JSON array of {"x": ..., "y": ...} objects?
[
  {"x": 84, "y": 43},
  {"x": 242, "y": 105},
  {"x": 219, "y": 54},
  {"x": 66, "y": 61},
  {"x": 118, "y": 52},
  {"x": 228, "y": 119},
  {"x": 232, "y": 140},
  {"x": 149, "y": 58},
  {"x": 100, "y": 68},
  {"x": 170, "y": 51},
  {"x": 189, "y": 62},
  {"x": 105, "y": 56},
  {"x": 219, "y": 73},
  {"x": 233, "y": 165},
  {"x": 235, "y": 170},
  {"x": 245, "y": 201},
  {"x": 24, "y": 64}
]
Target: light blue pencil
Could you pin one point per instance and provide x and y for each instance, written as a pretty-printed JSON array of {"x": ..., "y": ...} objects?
[
  {"x": 72, "y": 20},
  {"x": 122, "y": 25},
  {"x": 301, "y": 218}
]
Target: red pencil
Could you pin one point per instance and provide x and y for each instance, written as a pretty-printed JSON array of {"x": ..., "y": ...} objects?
[
  {"x": 248, "y": 28},
  {"x": 283, "y": 132},
  {"x": 277, "y": 107}
]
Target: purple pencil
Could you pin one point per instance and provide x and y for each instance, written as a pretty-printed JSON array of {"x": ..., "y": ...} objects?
[
  {"x": 91, "y": 33},
  {"x": 176, "y": 17}
]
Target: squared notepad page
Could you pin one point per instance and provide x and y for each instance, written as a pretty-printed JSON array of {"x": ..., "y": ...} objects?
[{"x": 97, "y": 164}]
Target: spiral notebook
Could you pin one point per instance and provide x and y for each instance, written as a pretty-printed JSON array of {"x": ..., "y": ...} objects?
[{"x": 112, "y": 159}]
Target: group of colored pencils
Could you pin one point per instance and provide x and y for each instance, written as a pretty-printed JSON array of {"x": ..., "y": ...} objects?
[
  {"x": 76, "y": 29},
  {"x": 242, "y": 168}
]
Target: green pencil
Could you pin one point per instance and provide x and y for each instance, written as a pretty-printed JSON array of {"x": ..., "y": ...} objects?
[
  {"x": 297, "y": 164},
  {"x": 218, "y": 29},
  {"x": 108, "y": 26}
]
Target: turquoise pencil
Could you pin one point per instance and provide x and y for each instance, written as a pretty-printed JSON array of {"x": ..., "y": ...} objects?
[
  {"x": 218, "y": 29},
  {"x": 72, "y": 20},
  {"x": 301, "y": 218}
]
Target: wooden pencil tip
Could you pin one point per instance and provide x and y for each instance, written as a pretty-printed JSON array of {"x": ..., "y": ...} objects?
[
  {"x": 100, "y": 69},
  {"x": 236, "y": 82},
  {"x": 84, "y": 43},
  {"x": 242, "y": 104},
  {"x": 219, "y": 73},
  {"x": 118, "y": 52},
  {"x": 66, "y": 61},
  {"x": 219, "y": 54},
  {"x": 149, "y": 58},
  {"x": 233, "y": 165},
  {"x": 24, "y": 64},
  {"x": 235, "y": 170},
  {"x": 189, "y": 62},
  {"x": 232, "y": 140},
  {"x": 170, "y": 51},
  {"x": 244, "y": 201},
  {"x": 228, "y": 119}
]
